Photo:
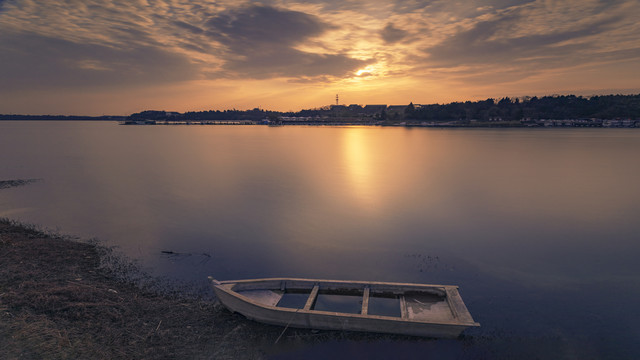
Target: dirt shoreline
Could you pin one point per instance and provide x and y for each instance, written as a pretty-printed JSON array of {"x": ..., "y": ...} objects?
[{"x": 58, "y": 302}]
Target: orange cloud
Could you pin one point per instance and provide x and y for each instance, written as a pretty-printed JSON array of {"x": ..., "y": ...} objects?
[{"x": 291, "y": 54}]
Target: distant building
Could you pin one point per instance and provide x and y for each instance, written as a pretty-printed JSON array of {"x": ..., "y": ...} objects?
[
  {"x": 619, "y": 123},
  {"x": 374, "y": 109},
  {"x": 396, "y": 109}
]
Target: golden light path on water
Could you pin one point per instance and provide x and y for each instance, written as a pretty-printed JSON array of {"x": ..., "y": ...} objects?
[
  {"x": 360, "y": 168},
  {"x": 378, "y": 177}
]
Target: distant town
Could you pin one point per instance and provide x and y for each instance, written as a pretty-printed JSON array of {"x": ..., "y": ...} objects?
[{"x": 549, "y": 111}]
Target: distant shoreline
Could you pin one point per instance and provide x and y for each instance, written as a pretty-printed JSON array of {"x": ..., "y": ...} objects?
[
  {"x": 551, "y": 123},
  {"x": 567, "y": 123},
  {"x": 80, "y": 118}
]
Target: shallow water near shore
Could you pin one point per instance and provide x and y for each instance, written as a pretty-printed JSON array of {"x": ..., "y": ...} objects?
[{"x": 538, "y": 227}]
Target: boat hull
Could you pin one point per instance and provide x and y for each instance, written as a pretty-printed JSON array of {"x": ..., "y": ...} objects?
[{"x": 308, "y": 318}]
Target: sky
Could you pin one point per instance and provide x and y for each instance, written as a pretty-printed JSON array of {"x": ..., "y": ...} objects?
[{"x": 116, "y": 57}]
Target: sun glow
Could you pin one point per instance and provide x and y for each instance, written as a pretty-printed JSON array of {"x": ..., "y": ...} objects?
[{"x": 370, "y": 70}]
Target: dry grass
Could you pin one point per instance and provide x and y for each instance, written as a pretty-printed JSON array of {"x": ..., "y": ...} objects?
[{"x": 58, "y": 302}]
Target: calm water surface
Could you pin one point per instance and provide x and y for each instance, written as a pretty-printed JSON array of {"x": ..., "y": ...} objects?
[{"x": 539, "y": 228}]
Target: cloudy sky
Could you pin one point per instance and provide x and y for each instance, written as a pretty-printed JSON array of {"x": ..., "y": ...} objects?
[{"x": 98, "y": 57}]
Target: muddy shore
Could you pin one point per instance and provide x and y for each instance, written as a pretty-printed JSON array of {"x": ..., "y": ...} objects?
[{"x": 59, "y": 301}]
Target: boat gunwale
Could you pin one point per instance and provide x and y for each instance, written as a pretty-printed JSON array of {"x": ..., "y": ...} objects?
[
  {"x": 355, "y": 282},
  {"x": 221, "y": 285}
]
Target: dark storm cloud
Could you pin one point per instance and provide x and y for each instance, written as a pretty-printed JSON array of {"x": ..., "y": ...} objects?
[
  {"x": 407, "y": 6},
  {"x": 501, "y": 4},
  {"x": 290, "y": 62},
  {"x": 462, "y": 7},
  {"x": 259, "y": 24},
  {"x": 261, "y": 43},
  {"x": 192, "y": 29},
  {"x": 483, "y": 44},
  {"x": 2, "y": 6},
  {"x": 34, "y": 61},
  {"x": 391, "y": 34}
]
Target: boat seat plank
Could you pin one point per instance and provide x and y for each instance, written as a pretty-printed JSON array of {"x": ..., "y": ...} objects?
[
  {"x": 365, "y": 301},
  {"x": 312, "y": 297},
  {"x": 403, "y": 308}
]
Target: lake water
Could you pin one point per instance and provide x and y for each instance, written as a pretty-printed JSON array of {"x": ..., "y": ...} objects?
[{"x": 539, "y": 227}]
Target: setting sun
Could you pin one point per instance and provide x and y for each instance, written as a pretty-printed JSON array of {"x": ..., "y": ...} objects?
[{"x": 367, "y": 71}]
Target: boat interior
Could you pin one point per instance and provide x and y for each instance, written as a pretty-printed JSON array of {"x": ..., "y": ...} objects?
[{"x": 402, "y": 302}]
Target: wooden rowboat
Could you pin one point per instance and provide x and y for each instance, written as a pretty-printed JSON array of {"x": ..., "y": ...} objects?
[{"x": 383, "y": 307}]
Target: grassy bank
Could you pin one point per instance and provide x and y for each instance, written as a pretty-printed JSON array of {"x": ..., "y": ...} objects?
[{"x": 58, "y": 302}]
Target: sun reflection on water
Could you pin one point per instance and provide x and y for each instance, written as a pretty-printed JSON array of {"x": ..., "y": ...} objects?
[{"x": 359, "y": 161}]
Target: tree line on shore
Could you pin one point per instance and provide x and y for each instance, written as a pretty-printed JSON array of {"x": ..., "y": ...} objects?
[
  {"x": 61, "y": 117},
  {"x": 505, "y": 109},
  {"x": 533, "y": 108}
]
